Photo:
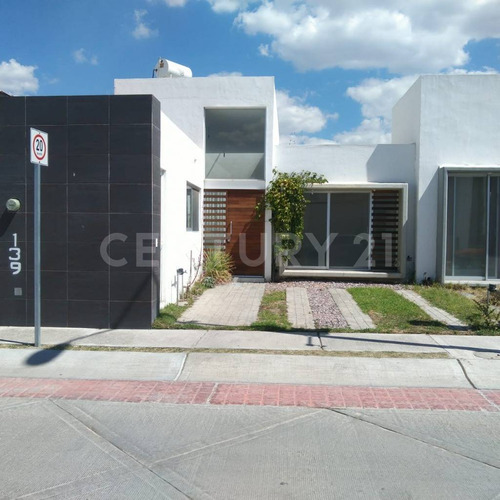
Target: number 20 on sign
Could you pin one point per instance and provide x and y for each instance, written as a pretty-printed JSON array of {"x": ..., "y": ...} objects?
[{"x": 39, "y": 147}]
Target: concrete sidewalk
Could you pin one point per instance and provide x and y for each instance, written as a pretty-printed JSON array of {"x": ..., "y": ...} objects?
[
  {"x": 250, "y": 368},
  {"x": 472, "y": 361},
  {"x": 455, "y": 346}
]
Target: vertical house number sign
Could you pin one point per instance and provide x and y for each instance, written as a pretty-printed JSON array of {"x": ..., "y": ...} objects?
[{"x": 15, "y": 257}]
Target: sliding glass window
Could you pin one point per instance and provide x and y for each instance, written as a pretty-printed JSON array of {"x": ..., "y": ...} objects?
[
  {"x": 336, "y": 231},
  {"x": 472, "y": 227}
]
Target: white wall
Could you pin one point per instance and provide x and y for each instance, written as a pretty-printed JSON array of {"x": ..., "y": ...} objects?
[
  {"x": 406, "y": 116},
  {"x": 183, "y": 102},
  {"x": 181, "y": 161},
  {"x": 384, "y": 163},
  {"x": 351, "y": 164},
  {"x": 458, "y": 123}
]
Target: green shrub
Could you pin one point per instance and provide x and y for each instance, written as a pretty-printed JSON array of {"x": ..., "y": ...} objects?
[
  {"x": 209, "y": 282},
  {"x": 489, "y": 311},
  {"x": 217, "y": 265},
  {"x": 285, "y": 197}
]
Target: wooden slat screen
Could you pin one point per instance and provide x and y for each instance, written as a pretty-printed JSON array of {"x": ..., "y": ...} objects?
[
  {"x": 385, "y": 229},
  {"x": 214, "y": 219}
]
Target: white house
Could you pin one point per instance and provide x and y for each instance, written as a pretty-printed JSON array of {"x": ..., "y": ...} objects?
[
  {"x": 424, "y": 206},
  {"x": 142, "y": 182},
  {"x": 454, "y": 122}
]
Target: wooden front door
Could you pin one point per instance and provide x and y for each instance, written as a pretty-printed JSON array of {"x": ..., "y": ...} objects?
[
  {"x": 245, "y": 232},
  {"x": 231, "y": 223}
]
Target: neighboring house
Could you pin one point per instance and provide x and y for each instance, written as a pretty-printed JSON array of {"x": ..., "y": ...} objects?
[
  {"x": 185, "y": 169},
  {"x": 100, "y": 207}
]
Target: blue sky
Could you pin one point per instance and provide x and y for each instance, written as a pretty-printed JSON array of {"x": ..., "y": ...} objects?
[{"x": 339, "y": 65}]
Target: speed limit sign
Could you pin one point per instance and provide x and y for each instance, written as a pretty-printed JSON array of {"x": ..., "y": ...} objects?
[{"x": 39, "y": 147}]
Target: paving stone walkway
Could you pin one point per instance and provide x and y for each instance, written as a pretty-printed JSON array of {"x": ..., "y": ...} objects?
[
  {"x": 434, "y": 312},
  {"x": 234, "y": 304},
  {"x": 356, "y": 319},
  {"x": 237, "y": 304},
  {"x": 298, "y": 308}
]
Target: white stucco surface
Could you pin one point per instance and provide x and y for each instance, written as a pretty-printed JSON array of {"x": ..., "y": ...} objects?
[
  {"x": 453, "y": 119},
  {"x": 183, "y": 103},
  {"x": 441, "y": 120},
  {"x": 351, "y": 164},
  {"x": 182, "y": 161},
  {"x": 358, "y": 165}
]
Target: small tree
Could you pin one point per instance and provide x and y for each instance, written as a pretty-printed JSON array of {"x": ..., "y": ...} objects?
[{"x": 285, "y": 197}]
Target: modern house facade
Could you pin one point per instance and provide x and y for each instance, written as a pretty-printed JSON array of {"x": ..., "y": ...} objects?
[{"x": 171, "y": 167}]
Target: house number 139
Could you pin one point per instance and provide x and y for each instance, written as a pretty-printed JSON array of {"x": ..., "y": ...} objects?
[{"x": 15, "y": 257}]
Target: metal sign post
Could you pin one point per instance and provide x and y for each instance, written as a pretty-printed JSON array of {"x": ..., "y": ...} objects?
[{"x": 39, "y": 147}]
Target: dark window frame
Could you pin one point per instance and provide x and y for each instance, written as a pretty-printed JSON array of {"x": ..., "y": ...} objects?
[{"x": 192, "y": 208}]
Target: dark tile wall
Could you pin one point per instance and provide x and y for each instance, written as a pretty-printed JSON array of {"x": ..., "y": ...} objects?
[{"x": 100, "y": 211}]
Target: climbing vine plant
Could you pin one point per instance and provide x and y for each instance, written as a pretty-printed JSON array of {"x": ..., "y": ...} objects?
[{"x": 285, "y": 197}]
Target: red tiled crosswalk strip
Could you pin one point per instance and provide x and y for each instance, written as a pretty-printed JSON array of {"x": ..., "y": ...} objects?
[{"x": 312, "y": 396}]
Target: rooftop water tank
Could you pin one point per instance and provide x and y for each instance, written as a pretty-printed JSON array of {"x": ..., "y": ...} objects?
[{"x": 169, "y": 69}]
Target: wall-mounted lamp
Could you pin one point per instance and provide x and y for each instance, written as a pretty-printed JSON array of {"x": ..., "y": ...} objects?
[{"x": 13, "y": 205}]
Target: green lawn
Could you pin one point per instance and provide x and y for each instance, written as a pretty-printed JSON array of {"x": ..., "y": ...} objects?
[
  {"x": 168, "y": 317},
  {"x": 272, "y": 313},
  {"x": 390, "y": 312},
  {"x": 453, "y": 302},
  {"x": 393, "y": 313}
]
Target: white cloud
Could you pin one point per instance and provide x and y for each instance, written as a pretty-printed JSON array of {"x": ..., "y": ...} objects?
[
  {"x": 17, "y": 79},
  {"x": 142, "y": 30},
  {"x": 170, "y": 3},
  {"x": 295, "y": 116},
  {"x": 377, "y": 98},
  {"x": 81, "y": 56},
  {"x": 224, "y": 6},
  {"x": 486, "y": 71},
  {"x": 300, "y": 139},
  {"x": 175, "y": 3},
  {"x": 370, "y": 131},
  {"x": 404, "y": 37},
  {"x": 219, "y": 6},
  {"x": 264, "y": 50},
  {"x": 414, "y": 36}
]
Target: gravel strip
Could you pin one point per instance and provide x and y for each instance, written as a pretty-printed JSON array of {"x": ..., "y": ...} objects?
[
  {"x": 325, "y": 312},
  {"x": 283, "y": 285}
]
